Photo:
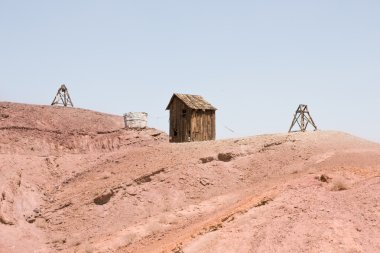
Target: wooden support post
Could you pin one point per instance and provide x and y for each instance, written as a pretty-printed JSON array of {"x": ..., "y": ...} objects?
[
  {"x": 303, "y": 118},
  {"x": 62, "y": 97}
]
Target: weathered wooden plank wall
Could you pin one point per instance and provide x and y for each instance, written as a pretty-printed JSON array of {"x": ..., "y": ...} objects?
[
  {"x": 180, "y": 116},
  {"x": 203, "y": 125},
  {"x": 187, "y": 124}
]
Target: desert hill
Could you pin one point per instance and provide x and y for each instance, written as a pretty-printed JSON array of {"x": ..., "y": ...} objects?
[{"x": 74, "y": 180}]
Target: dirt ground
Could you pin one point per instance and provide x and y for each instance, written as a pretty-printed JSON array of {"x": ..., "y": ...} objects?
[{"x": 74, "y": 180}]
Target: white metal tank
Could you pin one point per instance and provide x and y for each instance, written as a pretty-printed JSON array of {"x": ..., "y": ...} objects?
[{"x": 137, "y": 120}]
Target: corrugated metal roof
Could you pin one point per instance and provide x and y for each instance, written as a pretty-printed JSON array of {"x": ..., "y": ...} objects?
[{"x": 195, "y": 102}]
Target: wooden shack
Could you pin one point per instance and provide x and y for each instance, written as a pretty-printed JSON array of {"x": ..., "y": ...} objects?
[{"x": 191, "y": 118}]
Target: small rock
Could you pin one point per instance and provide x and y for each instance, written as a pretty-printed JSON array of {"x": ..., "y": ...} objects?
[
  {"x": 129, "y": 182},
  {"x": 31, "y": 219},
  {"x": 131, "y": 191},
  {"x": 204, "y": 181},
  {"x": 64, "y": 205},
  {"x": 225, "y": 157},
  {"x": 207, "y": 159},
  {"x": 40, "y": 223},
  {"x": 59, "y": 240},
  {"x": 324, "y": 178},
  {"x": 104, "y": 197},
  {"x": 6, "y": 220}
]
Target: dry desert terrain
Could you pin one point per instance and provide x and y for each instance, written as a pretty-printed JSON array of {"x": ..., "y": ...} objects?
[{"x": 74, "y": 180}]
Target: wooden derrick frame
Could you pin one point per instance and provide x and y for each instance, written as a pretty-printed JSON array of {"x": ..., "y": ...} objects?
[
  {"x": 62, "y": 97},
  {"x": 302, "y": 118}
]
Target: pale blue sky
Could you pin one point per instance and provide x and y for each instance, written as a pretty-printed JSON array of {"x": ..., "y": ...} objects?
[{"x": 254, "y": 60}]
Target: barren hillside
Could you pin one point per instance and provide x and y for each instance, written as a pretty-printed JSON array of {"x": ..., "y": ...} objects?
[{"x": 74, "y": 180}]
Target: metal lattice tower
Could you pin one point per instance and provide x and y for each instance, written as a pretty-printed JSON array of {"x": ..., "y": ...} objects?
[
  {"x": 62, "y": 97},
  {"x": 302, "y": 118}
]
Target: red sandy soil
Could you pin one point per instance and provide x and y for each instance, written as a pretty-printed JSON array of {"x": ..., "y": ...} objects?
[{"x": 73, "y": 180}]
